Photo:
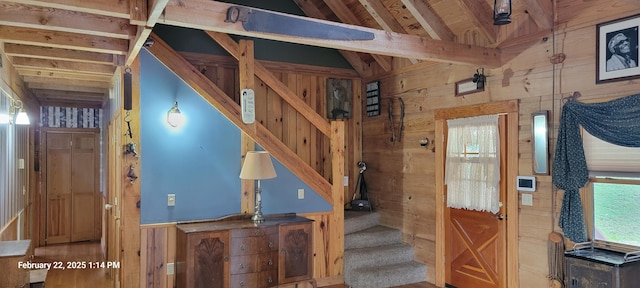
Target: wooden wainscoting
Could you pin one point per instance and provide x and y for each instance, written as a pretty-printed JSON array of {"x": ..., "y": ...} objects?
[{"x": 158, "y": 242}]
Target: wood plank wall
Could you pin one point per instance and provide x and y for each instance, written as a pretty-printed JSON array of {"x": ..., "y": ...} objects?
[
  {"x": 401, "y": 175},
  {"x": 294, "y": 130}
]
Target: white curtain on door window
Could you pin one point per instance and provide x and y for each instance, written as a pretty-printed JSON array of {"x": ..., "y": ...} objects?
[{"x": 473, "y": 164}]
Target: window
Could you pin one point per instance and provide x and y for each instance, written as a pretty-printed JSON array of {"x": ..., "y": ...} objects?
[{"x": 612, "y": 202}]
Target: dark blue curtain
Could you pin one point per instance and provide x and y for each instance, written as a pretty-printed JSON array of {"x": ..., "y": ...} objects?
[{"x": 617, "y": 122}]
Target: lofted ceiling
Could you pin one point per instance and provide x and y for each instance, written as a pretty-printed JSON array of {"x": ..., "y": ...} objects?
[{"x": 66, "y": 51}]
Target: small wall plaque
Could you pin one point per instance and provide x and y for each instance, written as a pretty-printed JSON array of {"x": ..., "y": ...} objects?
[
  {"x": 467, "y": 86},
  {"x": 373, "y": 98}
]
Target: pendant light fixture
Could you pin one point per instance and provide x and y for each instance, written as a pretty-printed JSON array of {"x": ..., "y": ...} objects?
[{"x": 501, "y": 12}]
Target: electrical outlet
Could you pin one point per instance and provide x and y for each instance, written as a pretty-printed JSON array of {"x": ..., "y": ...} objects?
[
  {"x": 527, "y": 199},
  {"x": 300, "y": 193},
  {"x": 171, "y": 200},
  {"x": 345, "y": 181}
]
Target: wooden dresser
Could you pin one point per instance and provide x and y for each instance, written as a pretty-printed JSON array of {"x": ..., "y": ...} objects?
[
  {"x": 11, "y": 252},
  {"x": 235, "y": 252}
]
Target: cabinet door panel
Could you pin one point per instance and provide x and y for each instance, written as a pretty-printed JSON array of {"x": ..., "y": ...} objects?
[
  {"x": 296, "y": 254},
  {"x": 209, "y": 259}
]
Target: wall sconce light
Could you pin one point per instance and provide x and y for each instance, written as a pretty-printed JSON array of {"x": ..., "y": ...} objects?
[
  {"x": 257, "y": 166},
  {"x": 501, "y": 12},
  {"x": 479, "y": 79},
  {"x": 174, "y": 116},
  {"x": 22, "y": 118}
]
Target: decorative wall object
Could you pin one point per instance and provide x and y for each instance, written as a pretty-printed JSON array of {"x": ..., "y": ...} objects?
[
  {"x": 373, "y": 98},
  {"x": 70, "y": 117},
  {"x": 339, "y": 97},
  {"x": 617, "y": 50}
]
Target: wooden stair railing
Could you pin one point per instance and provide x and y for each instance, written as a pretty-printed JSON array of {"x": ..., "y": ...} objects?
[{"x": 231, "y": 110}]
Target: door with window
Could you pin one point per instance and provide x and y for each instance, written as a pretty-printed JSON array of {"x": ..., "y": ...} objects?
[
  {"x": 72, "y": 186},
  {"x": 475, "y": 245}
]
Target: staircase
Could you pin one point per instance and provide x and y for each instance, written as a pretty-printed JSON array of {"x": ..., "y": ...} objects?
[{"x": 375, "y": 255}]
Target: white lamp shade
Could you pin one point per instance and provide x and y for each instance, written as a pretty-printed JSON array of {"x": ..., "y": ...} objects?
[
  {"x": 22, "y": 118},
  {"x": 257, "y": 165}
]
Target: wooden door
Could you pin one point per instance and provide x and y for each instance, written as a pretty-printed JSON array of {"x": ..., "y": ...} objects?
[
  {"x": 295, "y": 262},
  {"x": 72, "y": 186},
  {"x": 58, "y": 181},
  {"x": 475, "y": 249},
  {"x": 84, "y": 186}
]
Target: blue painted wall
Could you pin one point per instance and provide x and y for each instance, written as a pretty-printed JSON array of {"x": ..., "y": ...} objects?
[{"x": 200, "y": 162}]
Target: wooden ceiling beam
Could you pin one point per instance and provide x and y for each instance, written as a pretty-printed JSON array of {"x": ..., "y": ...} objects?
[
  {"x": 24, "y": 72},
  {"x": 67, "y": 82},
  {"x": 41, "y": 52},
  {"x": 113, "y": 8},
  {"x": 20, "y": 15},
  {"x": 482, "y": 15},
  {"x": 64, "y": 40},
  {"x": 142, "y": 34},
  {"x": 66, "y": 88},
  {"x": 66, "y": 66},
  {"x": 430, "y": 21},
  {"x": 541, "y": 12},
  {"x": 346, "y": 16},
  {"x": 211, "y": 15},
  {"x": 382, "y": 16},
  {"x": 68, "y": 95},
  {"x": 352, "y": 57}
]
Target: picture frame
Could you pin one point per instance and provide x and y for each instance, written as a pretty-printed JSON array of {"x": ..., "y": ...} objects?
[
  {"x": 339, "y": 97},
  {"x": 617, "y": 50},
  {"x": 467, "y": 86}
]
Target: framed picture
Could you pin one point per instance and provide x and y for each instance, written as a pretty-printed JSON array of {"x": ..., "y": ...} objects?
[
  {"x": 617, "y": 50},
  {"x": 339, "y": 97}
]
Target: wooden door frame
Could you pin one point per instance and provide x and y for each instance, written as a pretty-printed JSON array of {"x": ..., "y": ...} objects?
[
  {"x": 510, "y": 108},
  {"x": 42, "y": 199}
]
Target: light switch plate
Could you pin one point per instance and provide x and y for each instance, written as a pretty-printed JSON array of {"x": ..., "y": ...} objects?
[
  {"x": 300, "y": 193},
  {"x": 527, "y": 199},
  {"x": 171, "y": 200},
  {"x": 171, "y": 268}
]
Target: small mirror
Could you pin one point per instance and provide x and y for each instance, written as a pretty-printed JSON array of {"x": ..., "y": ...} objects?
[{"x": 540, "y": 139}]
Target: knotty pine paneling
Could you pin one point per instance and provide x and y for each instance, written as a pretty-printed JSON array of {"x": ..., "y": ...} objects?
[{"x": 401, "y": 175}]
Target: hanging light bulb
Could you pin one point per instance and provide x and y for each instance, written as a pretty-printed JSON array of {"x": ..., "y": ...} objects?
[
  {"x": 174, "y": 116},
  {"x": 22, "y": 118},
  {"x": 501, "y": 12}
]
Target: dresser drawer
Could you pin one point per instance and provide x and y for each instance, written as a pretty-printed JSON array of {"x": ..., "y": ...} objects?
[
  {"x": 268, "y": 279},
  {"x": 244, "y": 246},
  {"x": 248, "y": 280},
  {"x": 268, "y": 243},
  {"x": 267, "y": 261},
  {"x": 244, "y": 264},
  {"x": 253, "y": 232}
]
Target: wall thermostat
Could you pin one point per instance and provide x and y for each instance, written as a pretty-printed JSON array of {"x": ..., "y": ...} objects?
[
  {"x": 526, "y": 183},
  {"x": 248, "y": 105}
]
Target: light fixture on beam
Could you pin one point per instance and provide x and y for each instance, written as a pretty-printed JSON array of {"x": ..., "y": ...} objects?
[{"x": 501, "y": 12}]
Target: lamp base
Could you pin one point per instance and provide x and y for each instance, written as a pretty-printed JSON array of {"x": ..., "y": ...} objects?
[{"x": 257, "y": 218}]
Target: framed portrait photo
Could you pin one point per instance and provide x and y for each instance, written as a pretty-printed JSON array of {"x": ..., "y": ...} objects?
[{"x": 617, "y": 50}]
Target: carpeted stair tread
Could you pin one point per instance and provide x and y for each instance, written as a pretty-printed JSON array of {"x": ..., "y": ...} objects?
[
  {"x": 359, "y": 220},
  {"x": 371, "y": 237},
  {"x": 387, "y": 275},
  {"x": 380, "y": 255}
]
